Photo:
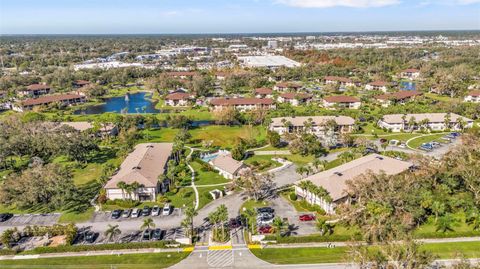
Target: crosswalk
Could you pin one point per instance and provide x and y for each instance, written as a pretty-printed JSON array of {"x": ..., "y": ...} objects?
[{"x": 220, "y": 258}]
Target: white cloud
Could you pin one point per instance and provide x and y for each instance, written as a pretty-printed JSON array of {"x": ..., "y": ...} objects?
[
  {"x": 344, "y": 3},
  {"x": 467, "y": 2},
  {"x": 448, "y": 2}
]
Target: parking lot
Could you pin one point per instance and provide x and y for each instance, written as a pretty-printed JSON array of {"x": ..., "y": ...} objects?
[
  {"x": 106, "y": 216},
  {"x": 32, "y": 219},
  {"x": 284, "y": 209}
]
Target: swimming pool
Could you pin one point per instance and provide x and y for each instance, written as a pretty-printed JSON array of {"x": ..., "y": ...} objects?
[{"x": 209, "y": 157}]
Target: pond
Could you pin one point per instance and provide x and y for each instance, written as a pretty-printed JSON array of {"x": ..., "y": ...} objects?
[{"x": 139, "y": 102}]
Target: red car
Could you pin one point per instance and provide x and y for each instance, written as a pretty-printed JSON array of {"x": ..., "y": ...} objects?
[
  {"x": 265, "y": 230},
  {"x": 306, "y": 217}
]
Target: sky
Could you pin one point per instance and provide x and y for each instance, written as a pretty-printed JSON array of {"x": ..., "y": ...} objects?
[{"x": 233, "y": 16}]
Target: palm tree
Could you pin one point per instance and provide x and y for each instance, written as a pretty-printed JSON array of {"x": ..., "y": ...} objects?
[
  {"x": 122, "y": 186},
  {"x": 460, "y": 123},
  {"x": 324, "y": 227},
  {"x": 319, "y": 165},
  {"x": 222, "y": 217},
  {"x": 134, "y": 187},
  {"x": 304, "y": 185},
  {"x": 445, "y": 223},
  {"x": 473, "y": 219},
  {"x": 250, "y": 214},
  {"x": 112, "y": 232},
  {"x": 279, "y": 226},
  {"x": 437, "y": 208},
  {"x": 148, "y": 223},
  {"x": 190, "y": 213}
]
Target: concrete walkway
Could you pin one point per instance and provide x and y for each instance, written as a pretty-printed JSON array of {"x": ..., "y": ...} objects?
[{"x": 197, "y": 198}]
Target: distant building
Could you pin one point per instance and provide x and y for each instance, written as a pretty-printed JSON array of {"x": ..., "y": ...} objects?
[
  {"x": 269, "y": 61},
  {"x": 80, "y": 83},
  {"x": 432, "y": 121},
  {"x": 294, "y": 99},
  {"x": 178, "y": 99},
  {"x": 227, "y": 167},
  {"x": 377, "y": 86},
  {"x": 341, "y": 101},
  {"x": 410, "y": 73},
  {"x": 83, "y": 126},
  {"x": 182, "y": 75},
  {"x": 334, "y": 180},
  {"x": 287, "y": 86},
  {"x": 318, "y": 124},
  {"x": 342, "y": 81},
  {"x": 63, "y": 99},
  {"x": 263, "y": 93},
  {"x": 243, "y": 104},
  {"x": 473, "y": 97},
  {"x": 144, "y": 165},
  {"x": 35, "y": 90},
  {"x": 272, "y": 44},
  {"x": 400, "y": 97}
]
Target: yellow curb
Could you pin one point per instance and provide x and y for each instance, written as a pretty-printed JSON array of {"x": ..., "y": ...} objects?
[
  {"x": 189, "y": 249},
  {"x": 219, "y": 247},
  {"x": 254, "y": 246}
]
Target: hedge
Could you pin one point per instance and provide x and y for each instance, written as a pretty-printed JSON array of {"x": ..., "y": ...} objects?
[{"x": 112, "y": 246}]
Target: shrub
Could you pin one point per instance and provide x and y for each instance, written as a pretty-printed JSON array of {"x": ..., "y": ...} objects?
[
  {"x": 293, "y": 196},
  {"x": 123, "y": 203}
]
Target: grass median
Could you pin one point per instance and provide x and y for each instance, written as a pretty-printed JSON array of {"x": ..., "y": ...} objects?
[{"x": 339, "y": 254}]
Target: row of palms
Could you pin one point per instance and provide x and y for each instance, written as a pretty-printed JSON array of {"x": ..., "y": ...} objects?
[
  {"x": 218, "y": 218},
  {"x": 316, "y": 166},
  {"x": 315, "y": 191}
]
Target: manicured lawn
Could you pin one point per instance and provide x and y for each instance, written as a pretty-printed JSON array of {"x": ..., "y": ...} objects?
[
  {"x": 442, "y": 98},
  {"x": 74, "y": 217},
  {"x": 204, "y": 195},
  {"x": 206, "y": 178},
  {"x": 150, "y": 260},
  {"x": 184, "y": 197},
  {"x": 261, "y": 163},
  {"x": 223, "y": 136},
  {"x": 369, "y": 129},
  {"x": 338, "y": 254},
  {"x": 297, "y": 158},
  {"x": 460, "y": 228},
  {"x": 251, "y": 204}
]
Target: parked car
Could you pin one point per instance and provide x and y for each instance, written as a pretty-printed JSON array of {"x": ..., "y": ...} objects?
[
  {"x": 116, "y": 213},
  {"x": 155, "y": 210},
  {"x": 126, "y": 213},
  {"x": 135, "y": 213},
  {"x": 267, "y": 229},
  {"x": 264, "y": 219},
  {"x": 455, "y": 134},
  {"x": 383, "y": 140},
  {"x": 402, "y": 145},
  {"x": 5, "y": 216},
  {"x": 265, "y": 215},
  {"x": 166, "y": 210},
  {"x": 234, "y": 223},
  {"x": 157, "y": 234},
  {"x": 265, "y": 210},
  {"x": 426, "y": 147},
  {"x": 146, "y": 211},
  {"x": 147, "y": 234},
  {"x": 306, "y": 217},
  {"x": 90, "y": 237},
  {"x": 393, "y": 142},
  {"x": 435, "y": 144}
]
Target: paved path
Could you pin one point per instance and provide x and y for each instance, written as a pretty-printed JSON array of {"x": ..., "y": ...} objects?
[
  {"x": 197, "y": 199},
  {"x": 233, "y": 202},
  {"x": 273, "y": 152}
]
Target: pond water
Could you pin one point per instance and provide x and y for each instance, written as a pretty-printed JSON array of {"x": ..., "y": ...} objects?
[{"x": 139, "y": 102}]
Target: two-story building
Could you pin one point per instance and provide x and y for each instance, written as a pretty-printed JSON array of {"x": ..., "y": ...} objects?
[
  {"x": 62, "y": 99},
  {"x": 242, "y": 104},
  {"x": 473, "y": 97},
  {"x": 341, "y": 81},
  {"x": 431, "y": 121},
  {"x": 143, "y": 166},
  {"x": 263, "y": 93},
  {"x": 312, "y": 124},
  {"x": 35, "y": 90},
  {"x": 341, "y": 101},
  {"x": 410, "y": 73},
  {"x": 178, "y": 99},
  {"x": 287, "y": 86},
  {"x": 295, "y": 99},
  {"x": 377, "y": 86},
  {"x": 400, "y": 97}
]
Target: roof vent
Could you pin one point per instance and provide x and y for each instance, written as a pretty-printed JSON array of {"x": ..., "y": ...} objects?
[
  {"x": 338, "y": 174},
  {"x": 136, "y": 168}
]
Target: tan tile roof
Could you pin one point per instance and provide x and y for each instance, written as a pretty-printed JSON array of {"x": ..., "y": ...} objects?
[
  {"x": 432, "y": 117},
  {"x": 241, "y": 101},
  {"x": 227, "y": 163},
  {"x": 292, "y": 95},
  {"x": 341, "y": 99},
  {"x": 263, "y": 91},
  {"x": 178, "y": 96},
  {"x": 334, "y": 180},
  {"x": 143, "y": 165},
  {"x": 316, "y": 120},
  {"x": 38, "y": 87},
  {"x": 378, "y": 83},
  {"x": 474, "y": 93},
  {"x": 400, "y": 95},
  {"x": 335, "y": 78}
]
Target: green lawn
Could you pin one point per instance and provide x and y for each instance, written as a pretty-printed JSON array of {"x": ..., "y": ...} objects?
[
  {"x": 297, "y": 158},
  {"x": 442, "y": 98},
  {"x": 460, "y": 228},
  {"x": 338, "y": 254},
  {"x": 206, "y": 178},
  {"x": 262, "y": 163},
  {"x": 251, "y": 204},
  {"x": 223, "y": 136},
  {"x": 74, "y": 217},
  {"x": 417, "y": 142},
  {"x": 150, "y": 260}
]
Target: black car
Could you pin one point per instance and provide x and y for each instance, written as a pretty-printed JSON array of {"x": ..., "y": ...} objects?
[
  {"x": 147, "y": 234},
  {"x": 157, "y": 234},
  {"x": 265, "y": 210},
  {"x": 5, "y": 216},
  {"x": 146, "y": 211},
  {"x": 234, "y": 223},
  {"x": 116, "y": 213},
  {"x": 90, "y": 237}
]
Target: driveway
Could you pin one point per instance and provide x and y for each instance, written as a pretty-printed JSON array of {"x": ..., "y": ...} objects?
[
  {"x": 285, "y": 209},
  {"x": 286, "y": 176},
  {"x": 233, "y": 202}
]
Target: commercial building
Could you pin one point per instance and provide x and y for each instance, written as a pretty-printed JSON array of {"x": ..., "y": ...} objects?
[{"x": 268, "y": 61}]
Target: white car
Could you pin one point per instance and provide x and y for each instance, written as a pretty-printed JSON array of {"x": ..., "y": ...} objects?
[
  {"x": 166, "y": 210},
  {"x": 136, "y": 213},
  {"x": 155, "y": 210}
]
